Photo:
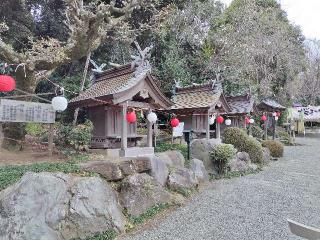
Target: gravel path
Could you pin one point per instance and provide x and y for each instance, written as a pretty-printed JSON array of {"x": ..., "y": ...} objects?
[{"x": 252, "y": 207}]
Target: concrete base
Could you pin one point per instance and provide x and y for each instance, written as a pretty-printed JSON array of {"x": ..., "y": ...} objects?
[
  {"x": 129, "y": 152},
  {"x": 137, "y": 151}
]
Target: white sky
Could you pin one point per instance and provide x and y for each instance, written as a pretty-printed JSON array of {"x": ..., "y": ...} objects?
[{"x": 305, "y": 13}]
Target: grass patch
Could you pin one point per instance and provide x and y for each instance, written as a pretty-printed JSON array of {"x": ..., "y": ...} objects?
[
  {"x": 230, "y": 175},
  {"x": 107, "y": 235},
  {"x": 150, "y": 213},
  {"x": 12, "y": 173}
]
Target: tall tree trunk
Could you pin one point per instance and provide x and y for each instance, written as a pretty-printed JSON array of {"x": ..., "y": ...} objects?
[{"x": 76, "y": 113}]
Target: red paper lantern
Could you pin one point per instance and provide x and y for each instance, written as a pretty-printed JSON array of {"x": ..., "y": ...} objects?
[
  {"x": 264, "y": 118},
  {"x": 247, "y": 120},
  {"x": 278, "y": 114},
  {"x": 131, "y": 117},
  {"x": 174, "y": 122},
  {"x": 7, "y": 83},
  {"x": 220, "y": 119}
]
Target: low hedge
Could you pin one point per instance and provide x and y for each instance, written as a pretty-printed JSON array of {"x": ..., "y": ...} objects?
[
  {"x": 244, "y": 143},
  {"x": 276, "y": 148},
  {"x": 221, "y": 155}
]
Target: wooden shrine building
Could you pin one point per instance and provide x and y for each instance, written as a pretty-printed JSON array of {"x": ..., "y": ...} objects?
[
  {"x": 194, "y": 104},
  {"x": 270, "y": 105},
  {"x": 113, "y": 93},
  {"x": 241, "y": 106}
]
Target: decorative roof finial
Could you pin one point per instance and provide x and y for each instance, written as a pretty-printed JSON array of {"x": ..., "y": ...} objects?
[{"x": 141, "y": 61}]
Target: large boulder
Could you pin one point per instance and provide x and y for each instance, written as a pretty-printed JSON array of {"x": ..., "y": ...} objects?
[
  {"x": 172, "y": 158},
  {"x": 242, "y": 163},
  {"x": 108, "y": 170},
  {"x": 159, "y": 170},
  {"x": 199, "y": 170},
  {"x": 201, "y": 148},
  {"x": 56, "y": 206},
  {"x": 113, "y": 171},
  {"x": 139, "y": 192},
  {"x": 243, "y": 156},
  {"x": 182, "y": 178}
]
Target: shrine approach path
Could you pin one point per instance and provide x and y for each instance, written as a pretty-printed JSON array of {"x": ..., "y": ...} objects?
[{"x": 253, "y": 207}]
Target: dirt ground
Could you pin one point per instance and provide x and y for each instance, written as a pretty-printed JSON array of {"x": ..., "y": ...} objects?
[{"x": 27, "y": 156}]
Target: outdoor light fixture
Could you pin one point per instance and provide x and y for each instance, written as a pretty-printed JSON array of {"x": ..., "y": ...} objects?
[
  {"x": 59, "y": 103},
  {"x": 7, "y": 83},
  {"x": 174, "y": 122},
  {"x": 251, "y": 120},
  {"x": 220, "y": 119},
  {"x": 152, "y": 117},
  {"x": 131, "y": 117},
  {"x": 264, "y": 118},
  {"x": 228, "y": 122}
]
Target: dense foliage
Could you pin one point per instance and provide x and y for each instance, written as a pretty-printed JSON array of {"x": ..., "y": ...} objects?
[
  {"x": 221, "y": 155},
  {"x": 78, "y": 137},
  {"x": 276, "y": 148},
  {"x": 244, "y": 143}
]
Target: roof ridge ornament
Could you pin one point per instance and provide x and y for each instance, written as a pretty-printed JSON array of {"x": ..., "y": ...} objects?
[{"x": 141, "y": 62}]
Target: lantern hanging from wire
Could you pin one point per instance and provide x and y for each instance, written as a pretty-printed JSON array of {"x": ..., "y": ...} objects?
[
  {"x": 228, "y": 122},
  {"x": 220, "y": 119},
  {"x": 264, "y": 118},
  {"x": 131, "y": 117},
  {"x": 251, "y": 121},
  {"x": 247, "y": 120},
  {"x": 7, "y": 83},
  {"x": 59, "y": 103},
  {"x": 174, "y": 122},
  {"x": 278, "y": 114},
  {"x": 152, "y": 117},
  {"x": 276, "y": 118}
]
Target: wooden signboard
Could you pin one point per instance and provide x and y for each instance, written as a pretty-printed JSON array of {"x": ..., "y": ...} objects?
[{"x": 21, "y": 111}]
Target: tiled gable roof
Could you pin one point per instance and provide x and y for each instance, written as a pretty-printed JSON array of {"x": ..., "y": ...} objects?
[
  {"x": 272, "y": 104},
  {"x": 111, "y": 82},
  {"x": 196, "y": 99},
  {"x": 241, "y": 104},
  {"x": 196, "y": 96}
]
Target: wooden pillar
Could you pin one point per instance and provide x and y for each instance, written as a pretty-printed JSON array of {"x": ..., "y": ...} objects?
[
  {"x": 217, "y": 130},
  {"x": 274, "y": 123},
  {"x": 208, "y": 128},
  {"x": 266, "y": 128},
  {"x": 150, "y": 134},
  {"x": 124, "y": 129},
  {"x": 50, "y": 140}
]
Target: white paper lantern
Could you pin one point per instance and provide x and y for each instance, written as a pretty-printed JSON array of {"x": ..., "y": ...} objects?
[
  {"x": 276, "y": 118},
  {"x": 274, "y": 114},
  {"x": 228, "y": 122},
  {"x": 212, "y": 120},
  {"x": 152, "y": 117},
  {"x": 59, "y": 103},
  {"x": 251, "y": 120}
]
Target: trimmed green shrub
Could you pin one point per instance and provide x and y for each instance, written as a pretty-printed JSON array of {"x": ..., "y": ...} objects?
[
  {"x": 285, "y": 138},
  {"x": 276, "y": 148},
  {"x": 254, "y": 149},
  {"x": 244, "y": 143},
  {"x": 77, "y": 137},
  {"x": 221, "y": 155},
  {"x": 257, "y": 132}
]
